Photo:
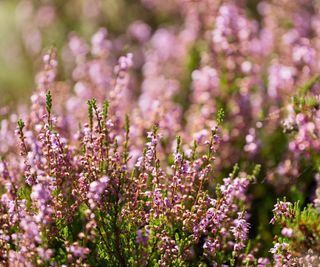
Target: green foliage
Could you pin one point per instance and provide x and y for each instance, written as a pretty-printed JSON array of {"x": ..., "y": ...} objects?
[
  {"x": 307, "y": 86},
  {"x": 306, "y": 228},
  {"x": 303, "y": 99},
  {"x": 24, "y": 193},
  {"x": 92, "y": 105},
  {"x": 178, "y": 140},
  {"x": 49, "y": 107},
  {"x": 20, "y": 125},
  {"x": 105, "y": 109},
  {"x": 220, "y": 116},
  {"x": 48, "y": 102}
]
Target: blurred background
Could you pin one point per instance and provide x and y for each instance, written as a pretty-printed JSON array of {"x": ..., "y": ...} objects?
[{"x": 29, "y": 27}]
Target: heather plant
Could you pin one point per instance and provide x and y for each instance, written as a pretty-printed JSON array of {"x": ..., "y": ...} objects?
[
  {"x": 299, "y": 235},
  {"x": 83, "y": 199},
  {"x": 188, "y": 138},
  {"x": 84, "y": 204}
]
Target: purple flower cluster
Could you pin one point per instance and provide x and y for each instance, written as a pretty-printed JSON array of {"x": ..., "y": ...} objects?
[
  {"x": 91, "y": 175},
  {"x": 128, "y": 161}
]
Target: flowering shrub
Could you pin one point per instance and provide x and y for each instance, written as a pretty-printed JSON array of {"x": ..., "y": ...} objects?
[
  {"x": 175, "y": 153},
  {"x": 85, "y": 203}
]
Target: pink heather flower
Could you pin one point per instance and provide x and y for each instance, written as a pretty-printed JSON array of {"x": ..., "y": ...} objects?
[
  {"x": 164, "y": 42},
  {"x": 282, "y": 208},
  {"x": 98, "y": 75},
  {"x": 303, "y": 53},
  {"x": 97, "y": 187},
  {"x": 77, "y": 46},
  {"x": 40, "y": 193},
  {"x": 251, "y": 142},
  {"x": 240, "y": 231},
  {"x": 263, "y": 262},
  {"x": 287, "y": 232},
  {"x": 282, "y": 255},
  {"x": 79, "y": 251},
  {"x": 140, "y": 31},
  {"x": 276, "y": 248},
  {"x": 201, "y": 136},
  {"x": 211, "y": 246},
  {"x": 205, "y": 83},
  {"x": 240, "y": 228},
  {"x": 124, "y": 63},
  {"x": 279, "y": 247},
  {"x": 31, "y": 230},
  {"x": 45, "y": 254},
  {"x": 281, "y": 78},
  {"x": 100, "y": 45}
]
